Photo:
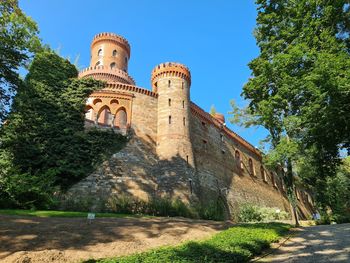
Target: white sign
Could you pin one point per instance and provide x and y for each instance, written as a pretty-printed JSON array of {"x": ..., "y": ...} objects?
[{"x": 91, "y": 216}]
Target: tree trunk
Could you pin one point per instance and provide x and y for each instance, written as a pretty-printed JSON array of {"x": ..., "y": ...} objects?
[{"x": 291, "y": 187}]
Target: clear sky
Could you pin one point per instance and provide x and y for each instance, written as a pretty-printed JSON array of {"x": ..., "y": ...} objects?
[{"x": 213, "y": 38}]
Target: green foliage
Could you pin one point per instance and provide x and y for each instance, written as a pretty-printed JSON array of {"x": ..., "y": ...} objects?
[
  {"x": 253, "y": 213},
  {"x": 237, "y": 244},
  {"x": 156, "y": 206},
  {"x": 300, "y": 89},
  {"x": 45, "y": 144},
  {"x": 212, "y": 110},
  {"x": 18, "y": 40}
]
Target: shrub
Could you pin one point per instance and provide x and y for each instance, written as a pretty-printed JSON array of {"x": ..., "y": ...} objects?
[{"x": 253, "y": 213}]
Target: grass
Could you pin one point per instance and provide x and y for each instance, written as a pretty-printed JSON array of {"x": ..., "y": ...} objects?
[
  {"x": 237, "y": 244},
  {"x": 52, "y": 213}
]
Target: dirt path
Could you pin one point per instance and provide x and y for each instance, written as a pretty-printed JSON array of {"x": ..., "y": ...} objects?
[
  {"x": 32, "y": 239},
  {"x": 326, "y": 243}
]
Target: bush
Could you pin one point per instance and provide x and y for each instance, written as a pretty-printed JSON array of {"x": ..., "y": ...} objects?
[{"x": 253, "y": 213}]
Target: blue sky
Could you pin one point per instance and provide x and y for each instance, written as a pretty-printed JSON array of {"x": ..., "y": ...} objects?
[{"x": 213, "y": 38}]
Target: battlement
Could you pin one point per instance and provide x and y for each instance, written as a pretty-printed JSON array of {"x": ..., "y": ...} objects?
[
  {"x": 170, "y": 69},
  {"x": 107, "y": 74},
  {"x": 113, "y": 38}
]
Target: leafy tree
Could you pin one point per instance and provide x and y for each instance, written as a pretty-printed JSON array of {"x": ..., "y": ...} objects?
[
  {"x": 18, "y": 41},
  {"x": 44, "y": 141},
  {"x": 300, "y": 84},
  {"x": 212, "y": 110}
]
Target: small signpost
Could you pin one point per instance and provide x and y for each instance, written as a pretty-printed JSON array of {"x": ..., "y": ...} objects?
[{"x": 90, "y": 217}]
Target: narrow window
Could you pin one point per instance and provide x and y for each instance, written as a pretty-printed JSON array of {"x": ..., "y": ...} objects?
[
  {"x": 251, "y": 167},
  {"x": 183, "y": 104},
  {"x": 169, "y": 102},
  {"x": 182, "y": 85},
  {"x": 222, "y": 137},
  {"x": 113, "y": 65},
  {"x": 184, "y": 121},
  {"x": 99, "y": 53},
  {"x": 126, "y": 60},
  {"x": 98, "y": 64},
  {"x": 203, "y": 123},
  {"x": 169, "y": 83},
  {"x": 187, "y": 159},
  {"x": 114, "y": 54},
  {"x": 169, "y": 119},
  {"x": 222, "y": 151},
  {"x": 263, "y": 174},
  {"x": 190, "y": 181}
]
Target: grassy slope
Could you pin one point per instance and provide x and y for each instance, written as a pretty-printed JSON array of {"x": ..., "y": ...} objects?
[
  {"x": 48, "y": 213},
  {"x": 237, "y": 244}
]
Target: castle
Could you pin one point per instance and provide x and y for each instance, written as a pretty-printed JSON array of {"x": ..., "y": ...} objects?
[{"x": 176, "y": 149}]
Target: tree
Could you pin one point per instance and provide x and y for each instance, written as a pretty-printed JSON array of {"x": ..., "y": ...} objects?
[
  {"x": 18, "y": 41},
  {"x": 302, "y": 71},
  {"x": 45, "y": 145}
]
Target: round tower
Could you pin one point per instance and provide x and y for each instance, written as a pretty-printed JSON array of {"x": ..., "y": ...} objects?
[
  {"x": 172, "y": 82},
  {"x": 110, "y": 54}
]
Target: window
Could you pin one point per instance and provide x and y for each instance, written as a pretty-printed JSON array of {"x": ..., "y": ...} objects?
[
  {"x": 98, "y": 63},
  {"x": 251, "y": 167},
  {"x": 187, "y": 159},
  {"x": 169, "y": 119},
  {"x": 121, "y": 119},
  {"x": 273, "y": 179},
  {"x": 263, "y": 174},
  {"x": 203, "y": 124},
  {"x": 182, "y": 85},
  {"x": 184, "y": 121},
  {"x": 183, "y": 104},
  {"x": 239, "y": 163},
  {"x": 169, "y": 83},
  {"x": 169, "y": 102},
  {"x": 126, "y": 60},
  {"x": 99, "y": 52},
  {"x": 114, "y": 54},
  {"x": 113, "y": 65},
  {"x": 191, "y": 188},
  {"x": 222, "y": 137}
]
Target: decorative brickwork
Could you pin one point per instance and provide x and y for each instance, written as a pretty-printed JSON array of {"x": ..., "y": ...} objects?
[{"x": 176, "y": 149}]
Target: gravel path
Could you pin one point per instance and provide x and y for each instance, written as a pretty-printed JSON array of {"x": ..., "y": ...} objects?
[
  {"x": 326, "y": 243},
  {"x": 34, "y": 239}
]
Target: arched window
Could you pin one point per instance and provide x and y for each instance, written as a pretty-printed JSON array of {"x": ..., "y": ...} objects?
[
  {"x": 89, "y": 114},
  {"x": 263, "y": 174},
  {"x": 99, "y": 52},
  {"x": 169, "y": 102},
  {"x": 105, "y": 116},
  {"x": 121, "y": 119},
  {"x": 238, "y": 160},
  {"x": 98, "y": 63},
  {"x": 183, "y": 104},
  {"x": 114, "y": 53},
  {"x": 169, "y": 119},
  {"x": 169, "y": 82},
  {"x": 113, "y": 65},
  {"x": 184, "y": 121},
  {"x": 251, "y": 167}
]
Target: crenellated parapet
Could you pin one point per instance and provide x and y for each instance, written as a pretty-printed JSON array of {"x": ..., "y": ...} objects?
[
  {"x": 170, "y": 69},
  {"x": 111, "y": 37},
  {"x": 107, "y": 74}
]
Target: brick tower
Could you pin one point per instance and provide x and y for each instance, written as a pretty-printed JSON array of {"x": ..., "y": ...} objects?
[
  {"x": 172, "y": 82},
  {"x": 110, "y": 54}
]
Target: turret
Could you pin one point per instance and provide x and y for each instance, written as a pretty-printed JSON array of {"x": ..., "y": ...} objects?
[
  {"x": 172, "y": 82},
  {"x": 110, "y": 55}
]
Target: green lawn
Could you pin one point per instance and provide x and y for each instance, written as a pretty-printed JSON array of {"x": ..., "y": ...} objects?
[
  {"x": 237, "y": 244},
  {"x": 49, "y": 213}
]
